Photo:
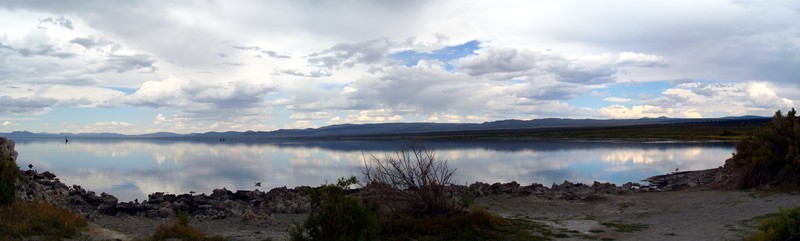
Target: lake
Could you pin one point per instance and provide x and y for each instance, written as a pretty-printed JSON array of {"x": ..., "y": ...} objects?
[{"x": 132, "y": 168}]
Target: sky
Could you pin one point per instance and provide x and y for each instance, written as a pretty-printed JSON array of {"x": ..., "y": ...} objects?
[{"x": 136, "y": 67}]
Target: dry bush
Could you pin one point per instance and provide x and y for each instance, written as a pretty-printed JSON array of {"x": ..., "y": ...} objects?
[{"x": 411, "y": 180}]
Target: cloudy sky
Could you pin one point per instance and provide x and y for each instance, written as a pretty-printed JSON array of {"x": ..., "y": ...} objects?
[{"x": 195, "y": 66}]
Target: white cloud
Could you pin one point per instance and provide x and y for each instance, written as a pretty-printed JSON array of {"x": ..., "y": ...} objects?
[
  {"x": 103, "y": 127},
  {"x": 202, "y": 99},
  {"x": 638, "y": 111},
  {"x": 641, "y": 60},
  {"x": 699, "y": 99},
  {"x": 617, "y": 99},
  {"x": 286, "y": 61}
]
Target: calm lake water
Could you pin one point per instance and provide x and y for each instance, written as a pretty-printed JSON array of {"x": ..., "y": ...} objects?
[{"x": 133, "y": 168}]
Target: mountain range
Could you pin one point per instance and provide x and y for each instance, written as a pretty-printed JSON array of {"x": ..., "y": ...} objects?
[{"x": 398, "y": 130}]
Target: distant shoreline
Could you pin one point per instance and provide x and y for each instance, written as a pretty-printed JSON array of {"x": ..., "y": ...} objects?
[{"x": 543, "y": 129}]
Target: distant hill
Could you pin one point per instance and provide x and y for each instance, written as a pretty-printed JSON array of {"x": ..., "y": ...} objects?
[{"x": 416, "y": 129}]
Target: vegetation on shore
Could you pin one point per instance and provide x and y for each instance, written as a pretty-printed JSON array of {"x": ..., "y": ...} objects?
[
  {"x": 783, "y": 226},
  {"x": 709, "y": 130},
  {"x": 39, "y": 219},
  {"x": 771, "y": 156},
  {"x": 181, "y": 230},
  {"x": 9, "y": 174},
  {"x": 337, "y": 217},
  {"x": 27, "y": 219},
  {"x": 407, "y": 198}
]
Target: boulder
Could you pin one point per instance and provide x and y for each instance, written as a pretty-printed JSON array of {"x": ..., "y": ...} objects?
[{"x": 7, "y": 149}]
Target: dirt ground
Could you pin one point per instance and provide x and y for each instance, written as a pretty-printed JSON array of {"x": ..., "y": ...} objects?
[
  {"x": 675, "y": 215},
  {"x": 691, "y": 214}
]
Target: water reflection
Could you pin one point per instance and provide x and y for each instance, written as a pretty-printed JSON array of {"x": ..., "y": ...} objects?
[{"x": 132, "y": 169}]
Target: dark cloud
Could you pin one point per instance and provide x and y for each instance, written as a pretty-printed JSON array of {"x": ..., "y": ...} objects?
[
  {"x": 125, "y": 63},
  {"x": 553, "y": 91},
  {"x": 584, "y": 74},
  {"x": 504, "y": 64},
  {"x": 73, "y": 81},
  {"x": 348, "y": 55},
  {"x": 95, "y": 43},
  {"x": 497, "y": 61},
  {"x": 25, "y": 105},
  {"x": 60, "y": 21},
  {"x": 44, "y": 50}
]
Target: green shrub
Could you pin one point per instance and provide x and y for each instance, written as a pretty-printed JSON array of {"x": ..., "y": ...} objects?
[
  {"x": 467, "y": 198},
  {"x": 770, "y": 156},
  {"x": 9, "y": 173},
  {"x": 337, "y": 217},
  {"x": 784, "y": 226},
  {"x": 25, "y": 219}
]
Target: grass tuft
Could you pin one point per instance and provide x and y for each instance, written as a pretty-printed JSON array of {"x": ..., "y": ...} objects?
[
  {"x": 181, "y": 230},
  {"x": 625, "y": 227},
  {"x": 476, "y": 224},
  {"x": 26, "y": 219}
]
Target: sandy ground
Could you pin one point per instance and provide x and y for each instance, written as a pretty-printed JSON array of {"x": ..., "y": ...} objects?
[
  {"x": 675, "y": 215},
  {"x": 691, "y": 214}
]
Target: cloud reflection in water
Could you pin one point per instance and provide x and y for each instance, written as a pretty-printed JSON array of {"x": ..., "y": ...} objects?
[{"x": 134, "y": 168}]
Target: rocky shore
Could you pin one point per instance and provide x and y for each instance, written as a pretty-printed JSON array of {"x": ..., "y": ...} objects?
[{"x": 255, "y": 204}]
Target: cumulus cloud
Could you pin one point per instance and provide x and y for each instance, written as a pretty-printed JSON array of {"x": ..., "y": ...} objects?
[
  {"x": 25, "y": 105},
  {"x": 638, "y": 111},
  {"x": 350, "y": 54},
  {"x": 368, "y": 116},
  {"x": 498, "y": 60},
  {"x": 505, "y": 63},
  {"x": 425, "y": 87},
  {"x": 199, "y": 98},
  {"x": 697, "y": 99},
  {"x": 321, "y": 58}
]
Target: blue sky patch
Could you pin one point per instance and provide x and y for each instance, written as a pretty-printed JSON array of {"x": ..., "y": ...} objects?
[
  {"x": 446, "y": 54},
  {"x": 127, "y": 91},
  {"x": 633, "y": 91}
]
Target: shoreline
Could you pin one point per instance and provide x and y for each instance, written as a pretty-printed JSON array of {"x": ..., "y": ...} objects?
[
  {"x": 689, "y": 205},
  {"x": 248, "y": 204},
  {"x": 574, "y": 210}
]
